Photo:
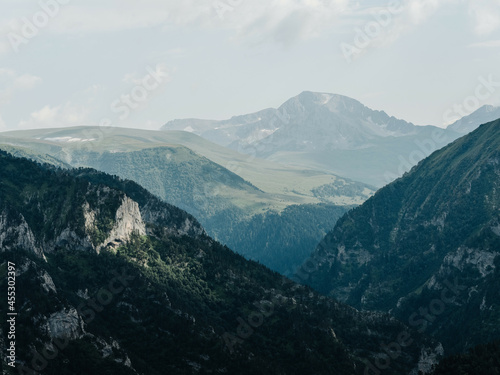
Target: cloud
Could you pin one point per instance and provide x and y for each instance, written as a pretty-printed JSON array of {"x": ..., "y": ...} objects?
[
  {"x": 46, "y": 114},
  {"x": 13, "y": 82},
  {"x": 414, "y": 13},
  {"x": 6, "y": 73},
  {"x": 256, "y": 21},
  {"x": 26, "y": 82},
  {"x": 281, "y": 20},
  {"x": 417, "y": 12},
  {"x": 55, "y": 117},
  {"x": 486, "y": 15},
  {"x": 408, "y": 15},
  {"x": 420, "y": 10},
  {"x": 380, "y": 25}
]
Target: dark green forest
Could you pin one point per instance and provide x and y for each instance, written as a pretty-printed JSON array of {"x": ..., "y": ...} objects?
[
  {"x": 182, "y": 303},
  {"x": 429, "y": 234},
  {"x": 480, "y": 360}
]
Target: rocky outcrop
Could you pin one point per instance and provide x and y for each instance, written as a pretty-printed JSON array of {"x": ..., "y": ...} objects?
[
  {"x": 480, "y": 260},
  {"x": 16, "y": 233},
  {"x": 428, "y": 359},
  {"x": 47, "y": 283},
  {"x": 65, "y": 324},
  {"x": 69, "y": 239},
  {"x": 176, "y": 226},
  {"x": 128, "y": 220}
]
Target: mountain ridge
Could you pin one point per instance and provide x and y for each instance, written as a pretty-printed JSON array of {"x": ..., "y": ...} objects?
[
  {"x": 190, "y": 172},
  {"x": 469, "y": 123},
  {"x": 325, "y": 132},
  {"x": 164, "y": 297},
  {"x": 434, "y": 227}
]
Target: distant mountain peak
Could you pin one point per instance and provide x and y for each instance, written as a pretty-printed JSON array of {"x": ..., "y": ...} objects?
[
  {"x": 324, "y": 99},
  {"x": 471, "y": 122},
  {"x": 313, "y": 129}
]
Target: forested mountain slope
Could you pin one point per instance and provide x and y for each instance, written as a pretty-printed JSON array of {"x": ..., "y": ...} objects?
[
  {"x": 111, "y": 280},
  {"x": 430, "y": 241},
  {"x": 191, "y": 173}
]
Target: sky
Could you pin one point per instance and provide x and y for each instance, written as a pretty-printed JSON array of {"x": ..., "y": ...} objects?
[{"x": 143, "y": 63}]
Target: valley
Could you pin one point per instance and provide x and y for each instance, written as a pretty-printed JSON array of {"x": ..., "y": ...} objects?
[
  {"x": 232, "y": 187},
  {"x": 384, "y": 292}
]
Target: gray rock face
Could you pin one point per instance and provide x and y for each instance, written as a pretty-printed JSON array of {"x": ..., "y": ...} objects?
[
  {"x": 127, "y": 221},
  {"x": 480, "y": 260},
  {"x": 327, "y": 132},
  {"x": 47, "y": 283},
  {"x": 428, "y": 358},
  {"x": 159, "y": 217},
  {"x": 69, "y": 238},
  {"x": 15, "y": 232},
  {"x": 65, "y": 324},
  {"x": 308, "y": 121}
]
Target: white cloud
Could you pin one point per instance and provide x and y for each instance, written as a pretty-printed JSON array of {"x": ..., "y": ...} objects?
[
  {"x": 26, "y": 82},
  {"x": 55, "y": 117},
  {"x": 407, "y": 16},
  {"x": 6, "y": 73},
  {"x": 281, "y": 20},
  {"x": 486, "y": 16},
  {"x": 414, "y": 13},
  {"x": 420, "y": 10},
  {"x": 13, "y": 83},
  {"x": 45, "y": 115},
  {"x": 382, "y": 24}
]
